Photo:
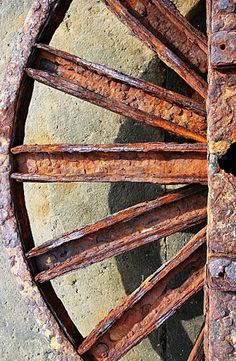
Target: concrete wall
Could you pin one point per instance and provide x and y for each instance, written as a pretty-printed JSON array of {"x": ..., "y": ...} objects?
[{"x": 92, "y": 32}]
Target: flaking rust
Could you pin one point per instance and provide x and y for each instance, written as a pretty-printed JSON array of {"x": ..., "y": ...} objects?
[
  {"x": 121, "y": 232},
  {"x": 149, "y": 306},
  {"x": 169, "y": 35},
  {"x": 52, "y": 318},
  {"x": 152, "y": 162},
  {"x": 183, "y": 48},
  {"x": 220, "y": 341},
  {"x": 120, "y": 93}
]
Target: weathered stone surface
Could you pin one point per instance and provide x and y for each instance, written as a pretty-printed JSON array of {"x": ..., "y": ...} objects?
[{"x": 93, "y": 33}]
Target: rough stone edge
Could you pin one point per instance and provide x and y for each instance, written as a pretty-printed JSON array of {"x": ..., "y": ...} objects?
[{"x": 36, "y": 19}]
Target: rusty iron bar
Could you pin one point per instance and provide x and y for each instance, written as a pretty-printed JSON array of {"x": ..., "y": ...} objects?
[
  {"x": 151, "y": 162},
  {"x": 121, "y": 232},
  {"x": 220, "y": 295},
  {"x": 120, "y": 93},
  {"x": 150, "y": 305},
  {"x": 197, "y": 353},
  {"x": 166, "y": 307},
  {"x": 169, "y": 34}
]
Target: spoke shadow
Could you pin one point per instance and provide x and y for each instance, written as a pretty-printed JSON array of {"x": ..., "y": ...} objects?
[
  {"x": 171, "y": 341},
  {"x": 138, "y": 264}
]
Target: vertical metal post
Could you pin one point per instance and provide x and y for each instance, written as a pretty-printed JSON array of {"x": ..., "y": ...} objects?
[{"x": 220, "y": 295}]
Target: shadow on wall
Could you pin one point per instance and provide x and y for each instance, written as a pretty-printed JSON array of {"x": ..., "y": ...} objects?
[{"x": 138, "y": 264}]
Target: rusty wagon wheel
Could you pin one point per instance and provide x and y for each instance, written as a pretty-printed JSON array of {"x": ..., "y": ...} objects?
[{"x": 182, "y": 48}]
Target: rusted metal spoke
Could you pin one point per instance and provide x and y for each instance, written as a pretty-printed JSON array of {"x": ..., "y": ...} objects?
[
  {"x": 121, "y": 232},
  {"x": 150, "y": 305},
  {"x": 197, "y": 353},
  {"x": 150, "y": 162},
  {"x": 103, "y": 86},
  {"x": 169, "y": 34}
]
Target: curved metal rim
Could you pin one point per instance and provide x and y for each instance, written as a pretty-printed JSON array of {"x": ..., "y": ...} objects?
[{"x": 36, "y": 20}]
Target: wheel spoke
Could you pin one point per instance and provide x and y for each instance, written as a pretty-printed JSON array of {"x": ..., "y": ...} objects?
[
  {"x": 197, "y": 353},
  {"x": 150, "y": 162},
  {"x": 150, "y": 305},
  {"x": 121, "y": 232},
  {"x": 103, "y": 86},
  {"x": 169, "y": 34}
]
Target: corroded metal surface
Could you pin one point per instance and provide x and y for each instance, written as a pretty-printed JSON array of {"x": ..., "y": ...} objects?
[
  {"x": 138, "y": 99},
  {"x": 154, "y": 162},
  {"x": 42, "y": 302},
  {"x": 149, "y": 306},
  {"x": 223, "y": 35},
  {"x": 221, "y": 270},
  {"x": 184, "y": 49},
  {"x": 165, "y": 31},
  {"x": 121, "y": 232}
]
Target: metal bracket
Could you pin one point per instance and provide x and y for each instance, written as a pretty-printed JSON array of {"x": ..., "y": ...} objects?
[
  {"x": 222, "y": 272},
  {"x": 223, "y": 49},
  {"x": 223, "y": 39}
]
